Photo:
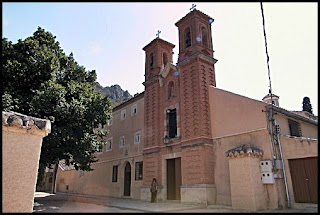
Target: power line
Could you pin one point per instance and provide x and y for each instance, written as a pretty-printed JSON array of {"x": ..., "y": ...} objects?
[{"x": 265, "y": 39}]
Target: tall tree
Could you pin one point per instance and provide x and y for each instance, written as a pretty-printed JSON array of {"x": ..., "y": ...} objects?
[
  {"x": 306, "y": 105},
  {"x": 40, "y": 80}
]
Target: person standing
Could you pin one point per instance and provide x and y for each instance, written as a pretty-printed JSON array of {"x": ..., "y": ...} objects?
[{"x": 153, "y": 189}]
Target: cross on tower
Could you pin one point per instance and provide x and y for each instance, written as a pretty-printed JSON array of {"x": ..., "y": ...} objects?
[
  {"x": 193, "y": 7},
  {"x": 158, "y": 33}
]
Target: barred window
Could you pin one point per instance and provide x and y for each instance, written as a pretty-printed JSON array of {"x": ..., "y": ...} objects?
[
  {"x": 139, "y": 170},
  {"x": 109, "y": 145},
  {"x": 134, "y": 109},
  {"x": 115, "y": 174},
  {"x": 121, "y": 142},
  {"x": 294, "y": 128},
  {"x": 136, "y": 137},
  {"x": 123, "y": 114}
]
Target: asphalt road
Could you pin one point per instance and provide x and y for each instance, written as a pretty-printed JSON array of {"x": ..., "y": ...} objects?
[{"x": 72, "y": 206}]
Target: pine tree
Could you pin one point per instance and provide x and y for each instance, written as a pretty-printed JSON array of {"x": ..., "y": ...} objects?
[{"x": 306, "y": 105}]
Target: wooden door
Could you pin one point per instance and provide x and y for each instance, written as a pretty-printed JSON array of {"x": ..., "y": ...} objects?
[
  {"x": 174, "y": 180},
  {"x": 304, "y": 175},
  {"x": 127, "y": 179}
]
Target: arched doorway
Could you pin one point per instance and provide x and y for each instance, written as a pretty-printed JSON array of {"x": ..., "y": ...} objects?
[{"x": 127, "y": 179}]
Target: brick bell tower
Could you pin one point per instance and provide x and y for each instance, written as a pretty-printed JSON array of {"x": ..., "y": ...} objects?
[
  {"x": 178, "y": 148},
  {"x": 158, "y": 56},
  {"x": 196, "y": 68}
]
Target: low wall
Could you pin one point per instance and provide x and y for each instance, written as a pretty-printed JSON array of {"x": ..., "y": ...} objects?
[{"x": 21, "y": 146}]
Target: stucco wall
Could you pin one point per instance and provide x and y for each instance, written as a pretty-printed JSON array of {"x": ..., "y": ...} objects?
[
  {"x": 232, "y": 114},
  {"x": 99, "y": 181},
  {"x": 21, "y": 146},
  {"x": 294, "y": 148},
  {"x": 259, "y": 139},
  {"x": 307, "y": 129}
]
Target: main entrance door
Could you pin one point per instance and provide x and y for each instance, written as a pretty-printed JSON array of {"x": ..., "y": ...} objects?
[
  {"x": 174, "y": 180},
  {"x": 304, "y": 175},
  {"x": 127, "y": 179}
]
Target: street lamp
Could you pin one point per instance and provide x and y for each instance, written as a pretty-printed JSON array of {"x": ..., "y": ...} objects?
[{"x": 166, "y": 140}]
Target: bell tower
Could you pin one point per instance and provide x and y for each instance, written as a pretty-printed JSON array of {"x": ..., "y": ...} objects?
[
  {"x": 195, "y": 35},
  {"x": 196, "y": 65}
]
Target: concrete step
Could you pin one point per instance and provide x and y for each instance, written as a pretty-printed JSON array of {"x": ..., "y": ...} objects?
[
  {"x": 219, "y": 207},
  {"x": 305, "y": 206}
]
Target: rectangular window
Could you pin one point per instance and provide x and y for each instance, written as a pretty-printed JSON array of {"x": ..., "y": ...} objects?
[
  {"x": 115, "y": 174},
  {"x": 110, "y": 121},
  {"x": 136, "y": 137},
  {"x": 139, "y": 170},
  {"x": 121, "y": 142},
  {"x": 133, "y": 109},
  {"x": 294, "y": 128},
  {"x": 172, "y": 123},
  {"x": 123, "y": 114},
  {"x": 109, "y": 144}
]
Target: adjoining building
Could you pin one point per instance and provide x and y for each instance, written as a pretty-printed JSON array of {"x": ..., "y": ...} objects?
[{"x": 203, "y": 144}]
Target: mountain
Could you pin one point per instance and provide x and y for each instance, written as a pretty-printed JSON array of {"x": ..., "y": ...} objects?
[{"x": 114, "y": 93}]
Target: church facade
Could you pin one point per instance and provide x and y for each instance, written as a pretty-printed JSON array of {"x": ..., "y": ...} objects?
[{"x": 203, "y": 144}]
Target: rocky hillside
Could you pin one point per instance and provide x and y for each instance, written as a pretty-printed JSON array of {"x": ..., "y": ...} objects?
[{"x": 114, "y": 93}]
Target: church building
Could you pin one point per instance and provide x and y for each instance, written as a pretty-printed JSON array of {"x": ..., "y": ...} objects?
[{"x": 204, "y": 145}]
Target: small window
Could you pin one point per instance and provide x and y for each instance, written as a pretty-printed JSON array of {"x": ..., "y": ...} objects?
[
  {"x": 123, "y": 114},
  {"x": 187, "y": 35},
  {"x": 133, "y": 109},
  {"x": 139, "y": 170},
  {"x": 172, "y": 123},
  {"x": 115, "y": 174},
  {"x": 204, "y": 34},
  {"x": 136, "y": 137},
  {"x": 121, "y": 142},
  {"x": 109, "y": 145},
  {"x": 170, "y": 90},
  {"x": 151, "y": 61},
  {"x": 110, "y": 122},
  {"x": 165, "y": 58},
  {"x": 294, "y": 128}
]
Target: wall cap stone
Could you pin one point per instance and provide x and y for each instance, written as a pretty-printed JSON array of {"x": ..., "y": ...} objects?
[
  {"x": 246, "y": 150},
  {"x": 23, "y": 121}
]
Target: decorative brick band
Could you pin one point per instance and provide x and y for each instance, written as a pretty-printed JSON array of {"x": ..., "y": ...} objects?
[
  {"x": 195, "y": 144},
  {"x": 246, "y": 150},
  {"x": 23, "y": 121}
]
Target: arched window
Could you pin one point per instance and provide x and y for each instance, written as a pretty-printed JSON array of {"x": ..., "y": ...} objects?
[
  {"x": 204, "y": 34},
  {"x": 187, "y": 37},
  {"x": 170, "y": 89},
  {"x": 151, "y": 61},
  {"x": 165, "y": 58}
]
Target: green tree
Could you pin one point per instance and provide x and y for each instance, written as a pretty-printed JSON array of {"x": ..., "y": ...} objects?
[
  {"x": 306, "y": 105},
  {"x": 40, "y": 80}
]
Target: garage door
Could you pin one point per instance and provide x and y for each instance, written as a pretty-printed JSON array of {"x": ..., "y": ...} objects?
[{"x": 304, "y": 175}]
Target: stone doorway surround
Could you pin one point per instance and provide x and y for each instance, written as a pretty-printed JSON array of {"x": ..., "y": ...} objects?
[{"x": 162, "y": 193}]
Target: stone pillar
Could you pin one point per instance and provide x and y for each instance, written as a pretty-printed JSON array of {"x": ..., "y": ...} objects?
[
  {"x": 247, "y": 191},
  {"x": 21, "y": 146}
]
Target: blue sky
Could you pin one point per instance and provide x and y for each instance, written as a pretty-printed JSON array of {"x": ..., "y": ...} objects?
[{"x": 109, "y": 38}]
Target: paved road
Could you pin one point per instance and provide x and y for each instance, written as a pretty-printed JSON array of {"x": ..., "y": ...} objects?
[
  {"x": 71, "y": 206},
  {"x": 62, "y": 202}
]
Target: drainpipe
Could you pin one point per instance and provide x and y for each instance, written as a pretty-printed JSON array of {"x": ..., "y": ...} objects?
[{"x": 282, "y": 162}]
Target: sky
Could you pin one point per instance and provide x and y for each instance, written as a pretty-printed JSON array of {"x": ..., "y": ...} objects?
[{"x": 109, "y": 37}]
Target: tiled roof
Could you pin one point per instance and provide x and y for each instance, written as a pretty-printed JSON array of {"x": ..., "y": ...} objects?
[
  {"x": 159, "y": 40},
  {"x": 24, "y": 121},
  {"x": 194, "y": 11},
  {"x": 64, "y": 167},
  {"x": 246, "y": 149},
  {"x": 269, "y": 95}
]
